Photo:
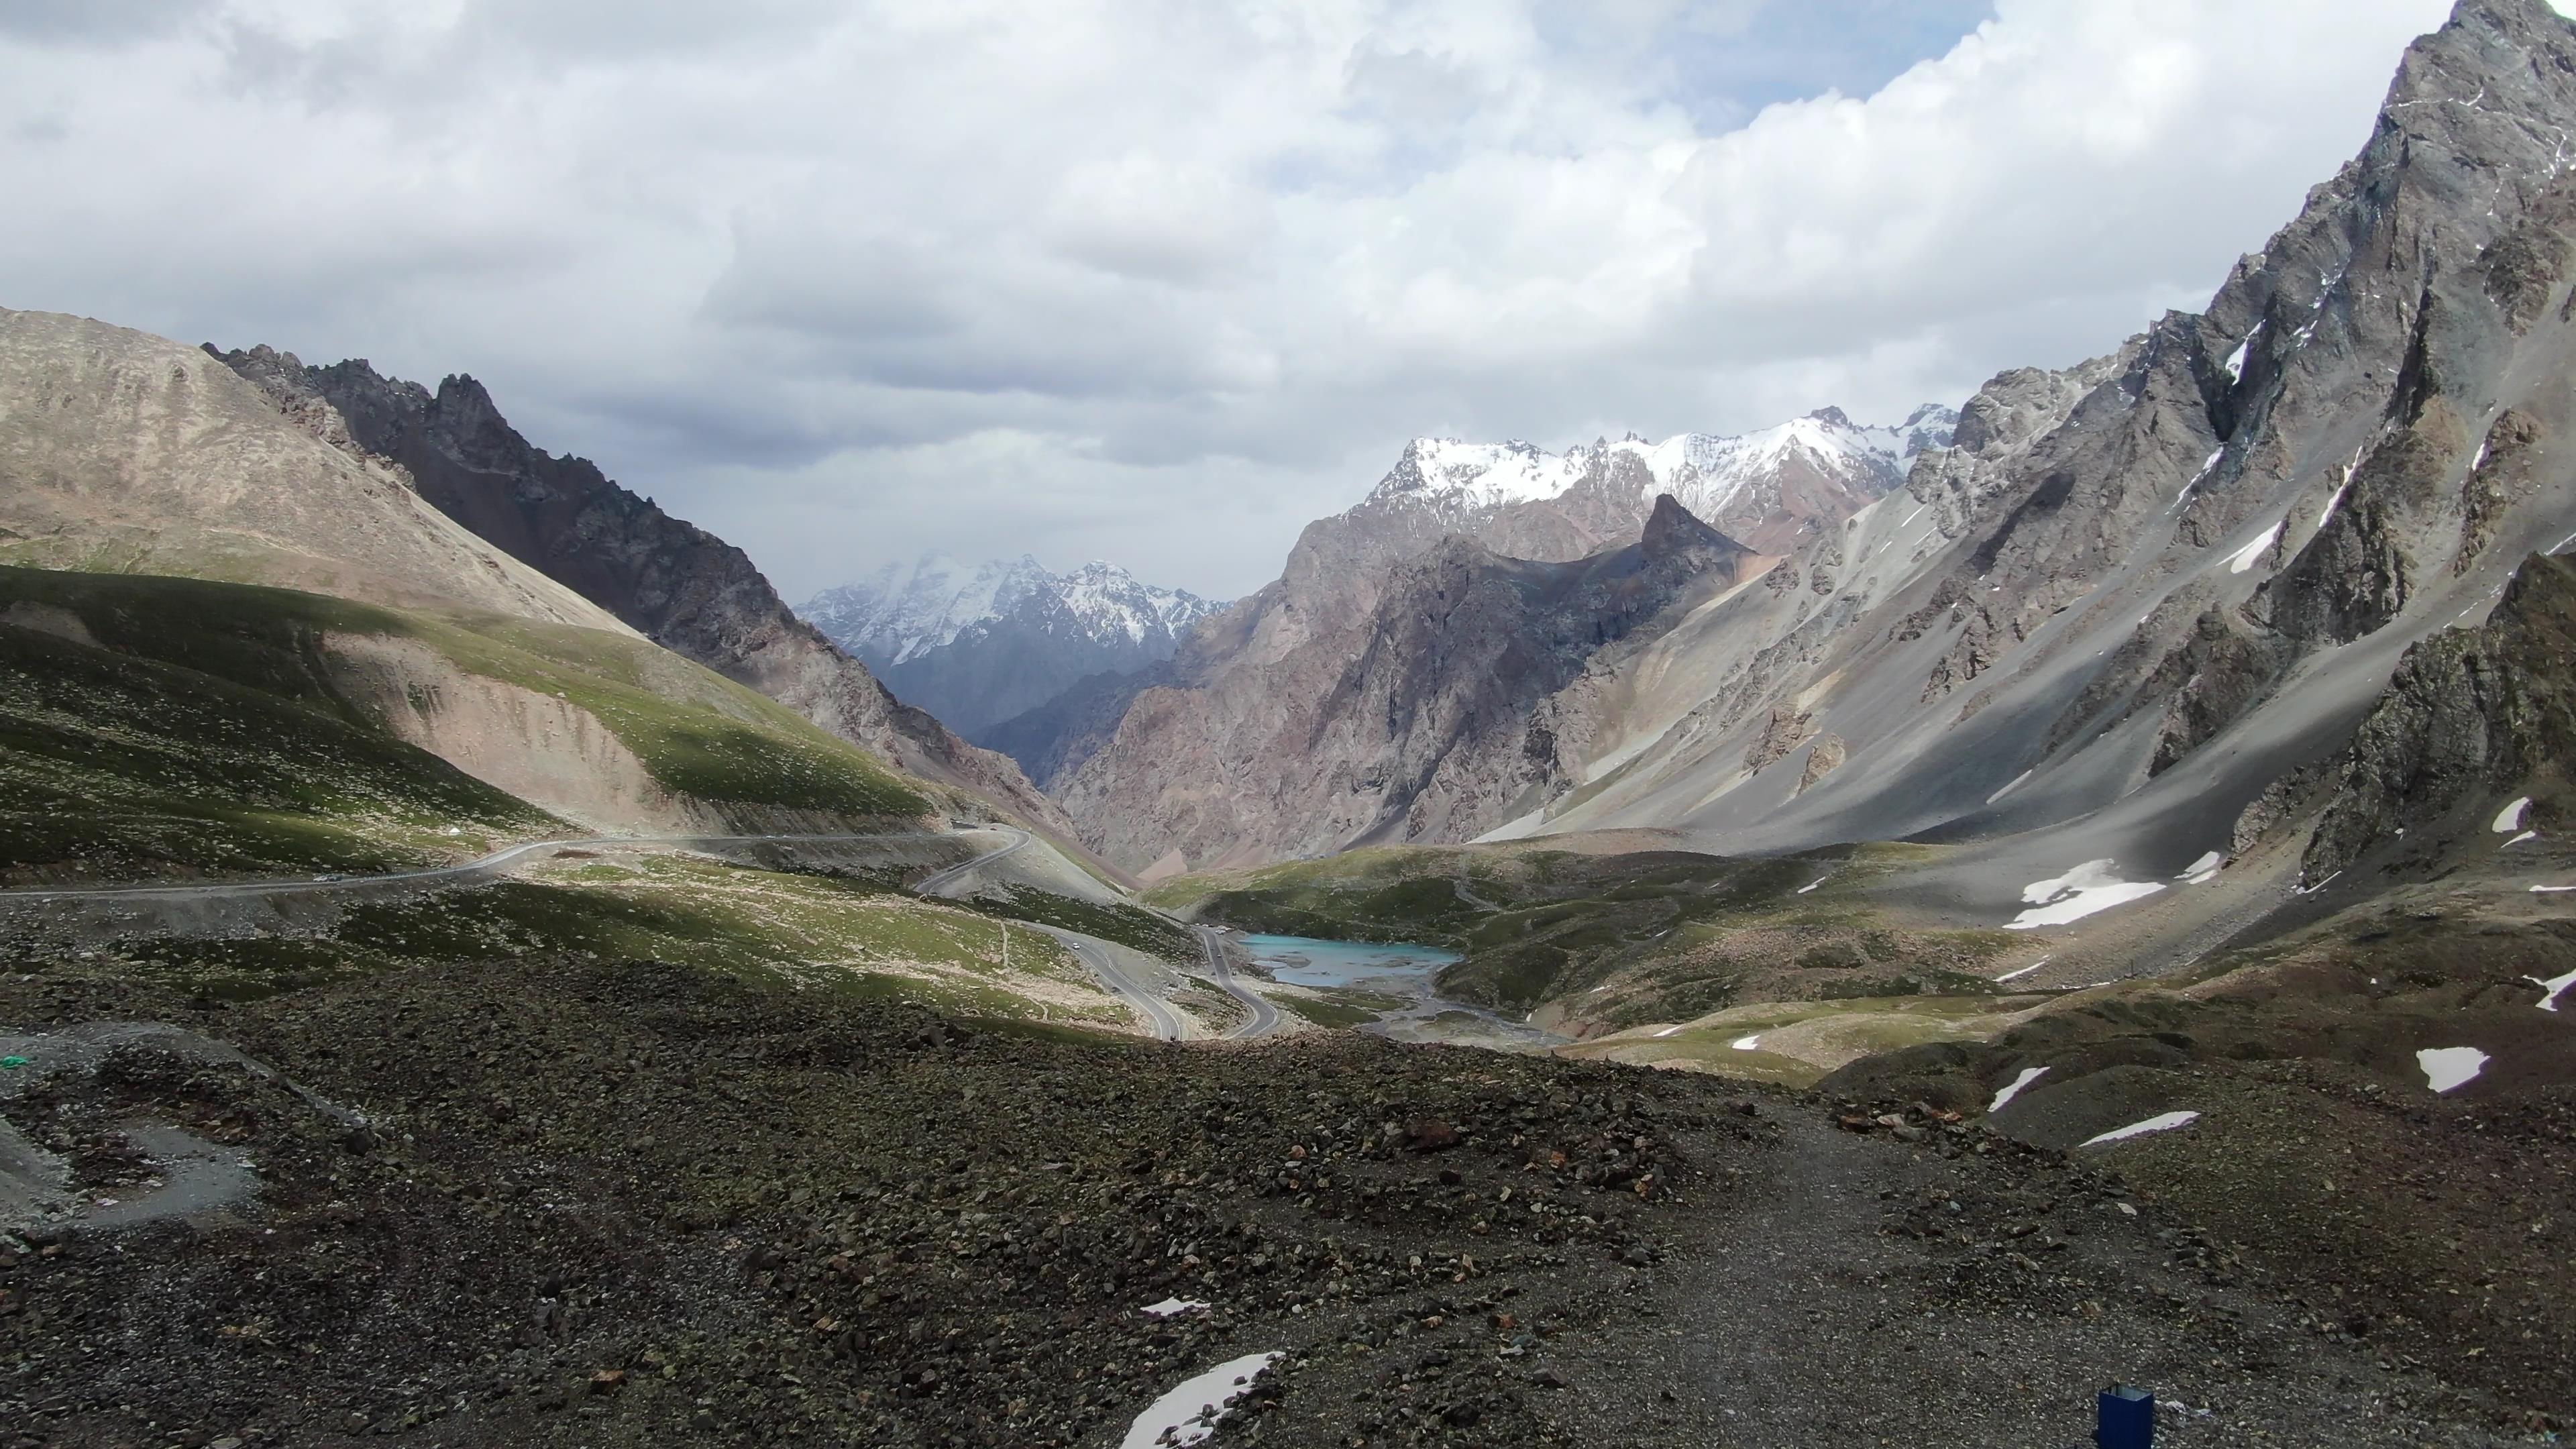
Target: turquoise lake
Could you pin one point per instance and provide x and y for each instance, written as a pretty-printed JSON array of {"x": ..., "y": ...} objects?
[{"x": 1401, "y": 973}]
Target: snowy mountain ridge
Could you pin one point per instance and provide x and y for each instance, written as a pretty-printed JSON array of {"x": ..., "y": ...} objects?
[
  {"x": 906, "y": 610},
  {"x": 1705, "y": 472},
  {"x": 977, "y": 644}
]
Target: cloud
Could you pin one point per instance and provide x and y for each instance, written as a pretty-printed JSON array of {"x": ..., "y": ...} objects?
[{"x": 1156, "y": 280}]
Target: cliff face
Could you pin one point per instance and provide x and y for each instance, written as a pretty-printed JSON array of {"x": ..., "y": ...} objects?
[
  {"x": 1423, "y": 719},
  {"x": 674, "y": 582},
  {"x": 2471, "y": 715}
]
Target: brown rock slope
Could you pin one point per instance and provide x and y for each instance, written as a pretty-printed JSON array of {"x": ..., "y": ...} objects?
[
  {"x": 1292, "y": 729},
  {"x": 122, "y": 452},
  {"x": 677, "y": 584}
]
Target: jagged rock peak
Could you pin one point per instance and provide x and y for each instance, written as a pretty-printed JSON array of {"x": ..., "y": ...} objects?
[{"x": 1673, "y": 529}]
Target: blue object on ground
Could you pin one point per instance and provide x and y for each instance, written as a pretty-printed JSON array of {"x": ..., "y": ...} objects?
[{"x": 2125, "y": 1418}]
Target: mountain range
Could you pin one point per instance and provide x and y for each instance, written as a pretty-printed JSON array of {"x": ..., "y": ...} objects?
[
  {"x": 1220, "y": 756},
  {"x": 978, "y": 646},
  {"x": 2088, "y": 871}
]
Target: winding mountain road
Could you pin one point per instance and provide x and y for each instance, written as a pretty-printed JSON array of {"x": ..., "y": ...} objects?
[
  {"x": 933, "y": 884},
  {"x": 1264, "y": 1019},
  {"x": 1166, "y": 1020}
]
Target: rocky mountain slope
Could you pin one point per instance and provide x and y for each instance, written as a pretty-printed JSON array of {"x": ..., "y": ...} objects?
[
  {"x": 121, "y": 451},
  {"x": 978, "y": 646},
  {"x": 677, "y": 584},
  {"x": 1409, "y": 721},
  {"x": 2135, "y": 594},
  {"x": 1133, "y": 758}
]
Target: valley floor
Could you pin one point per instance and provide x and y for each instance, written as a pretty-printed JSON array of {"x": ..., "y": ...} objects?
[{"x": 571, "y": 1200}]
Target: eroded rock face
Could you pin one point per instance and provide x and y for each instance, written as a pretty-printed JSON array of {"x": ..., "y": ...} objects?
[
  {"x": 2470, "y": 715},
  {"x": 1189, "y": 738},
  {"x": 674, "y": 582},
  {"x": 1419, "y": 721}
]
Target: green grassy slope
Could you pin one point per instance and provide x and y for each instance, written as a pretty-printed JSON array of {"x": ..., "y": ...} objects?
[
  {"x": 1614, "y": 939},
  {"x": 203, "y": 730}
]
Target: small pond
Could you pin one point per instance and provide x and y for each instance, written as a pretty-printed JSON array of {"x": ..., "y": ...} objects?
[{"x": 1395, "y": 981}]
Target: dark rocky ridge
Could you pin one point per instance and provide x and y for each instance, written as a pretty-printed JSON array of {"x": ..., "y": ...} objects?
[
  {"x": 2470, "y": 714},
  {"x": 674, "y": 582}
]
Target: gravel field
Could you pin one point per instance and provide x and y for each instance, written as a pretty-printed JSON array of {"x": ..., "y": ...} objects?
[{"x": 598, "y": 1203}]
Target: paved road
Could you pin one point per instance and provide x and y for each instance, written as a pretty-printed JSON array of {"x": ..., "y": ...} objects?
[
  {"x": 931, "y": 885},
  {"x": 491, "y": 864},
  {"x": 1168, "y": 1023},
  {"x": 1265, "y": 1017}
]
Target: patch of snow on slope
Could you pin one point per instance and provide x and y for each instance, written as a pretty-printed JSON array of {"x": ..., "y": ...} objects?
[
  {"x": 2165, "y": 1122},
  {"x": 2334, "y": 500},
  {"x": 2553, "y": 988},
  {"x": 1170, "y": 1306},
  {"x": 1746, "y": 1043},
  {"x": 2207, "y": 865},
  {"x": 1667, "y": 1031},
  {"x": 2009, "y": 786},
  {"x": 2551, "y": 890},
  {"x": 2086, "y": 890},
  {"x": 2448, "y": 1067},
  {"x": 2013, "y": 1088},
  {"x": 2519, "y": 839},
  {"x": 2246, "y": 557},
  {"x": 1188, "y": 1413},
  {"x": 2026, "y": 970},
  {"x": 2509, "y": 819},
  {"x": 1811, "y": 885},
  {"x": 2236, "y": 360}
]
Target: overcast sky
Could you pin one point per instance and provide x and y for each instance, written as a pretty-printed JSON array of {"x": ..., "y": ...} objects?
[{"x": 1154, "y": 280}]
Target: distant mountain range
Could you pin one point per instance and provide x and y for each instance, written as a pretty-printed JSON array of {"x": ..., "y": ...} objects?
[
  {"x": 976, "y": 646},
  {"x": 1373, "y": 592}
]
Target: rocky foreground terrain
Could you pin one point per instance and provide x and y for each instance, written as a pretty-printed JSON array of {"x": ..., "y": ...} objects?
[{"x": 583, "y": 1202}]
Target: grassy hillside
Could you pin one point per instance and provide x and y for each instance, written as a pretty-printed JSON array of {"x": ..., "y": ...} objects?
[
  {"x": 812, "y": 932},
  {"x": 156, "y": 724},
  {"x": 1612, "y": 940}
]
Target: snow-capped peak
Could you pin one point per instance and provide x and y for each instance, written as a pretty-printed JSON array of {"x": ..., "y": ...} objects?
[
  {"x": 1705, "y": 471},
  {"x": 906, "y": 610}
]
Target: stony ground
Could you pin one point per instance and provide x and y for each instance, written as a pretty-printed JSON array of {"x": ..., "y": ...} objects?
[{"x": 616, "y": 1203}]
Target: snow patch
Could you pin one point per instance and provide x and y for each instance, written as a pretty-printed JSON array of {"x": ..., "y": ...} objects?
[
  {"x": 1170, "y": 1306},
  {"x": 2448, "y": 1067},
  {"x": 2009, "y": 787},
  {"x": 2086, "y": 890},
  {"x": 2509, "y": 819},
  {"x": 1188, "y": 1413},
  {"x": 2026, "y": 970},
  {"x": 2519, "y": 839},
  {"x": 2013, "y": 1088},
  {"x": 2246, "y": 557},
  {"x": 2208, "y": 864},
  {"x": 2236, "y": 360},
  {"x": 2334, "y": 500},
  {"x": 1746, "y": 1043},
  {"x": 1667, "y": 1031},
  {"x": 2551, "y": 890},
  {"x": 2553, "y": 988},
  {"x": 2165, "y": 1122},
  {"x": 1811, "y": 885}
]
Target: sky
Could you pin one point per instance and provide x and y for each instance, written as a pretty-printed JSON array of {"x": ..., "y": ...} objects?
[{"x": 1155, "y": 281}]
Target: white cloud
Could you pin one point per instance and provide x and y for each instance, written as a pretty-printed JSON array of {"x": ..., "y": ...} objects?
[{"x": 1156, "y": 280}]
